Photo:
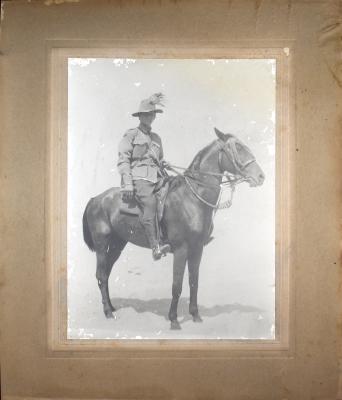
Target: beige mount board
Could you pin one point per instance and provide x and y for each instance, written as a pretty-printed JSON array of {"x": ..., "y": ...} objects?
[
  {"x": 34, "y": 361},
  {"x": 57, "y": 198}
]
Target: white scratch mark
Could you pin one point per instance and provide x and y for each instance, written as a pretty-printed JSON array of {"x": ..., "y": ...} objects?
[
  {"x": 272, "y": 329},
  {"x": 81, "y": 62},
  {"x": 286, "y": 50},
  {"x": 271, "y": 149},
  {"x": 2, "y": 13},
  {"x": 118, "y": 62},
  {"x": 50, "y": 2}
]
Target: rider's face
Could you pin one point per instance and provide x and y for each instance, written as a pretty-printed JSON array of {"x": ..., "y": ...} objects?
[{"x": 147, "y": 118}]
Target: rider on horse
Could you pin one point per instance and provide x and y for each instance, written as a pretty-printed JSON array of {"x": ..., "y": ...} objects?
[{"x": 140, "y": 163}]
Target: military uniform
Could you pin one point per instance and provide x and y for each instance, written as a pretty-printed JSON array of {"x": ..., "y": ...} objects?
[
  {"x": 139, "y": 163},
  {"x": 140, "y": 154}
]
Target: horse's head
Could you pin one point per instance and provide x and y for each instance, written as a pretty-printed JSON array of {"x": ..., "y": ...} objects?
[{"x": 236, "y": 158}]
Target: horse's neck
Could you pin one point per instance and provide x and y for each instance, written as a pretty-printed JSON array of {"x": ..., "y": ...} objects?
[{"x": 208, "y": 164}]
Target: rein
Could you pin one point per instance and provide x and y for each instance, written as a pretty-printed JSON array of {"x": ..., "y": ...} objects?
[
  {"x": 232, "y": 179},
  {"x": 229, "y": 149},
  {"x": 218, "y": 205},
  {"x": 231, "y": 182}
]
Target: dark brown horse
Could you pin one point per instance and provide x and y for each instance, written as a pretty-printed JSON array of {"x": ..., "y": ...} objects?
[{"x": 186, "y": 223}]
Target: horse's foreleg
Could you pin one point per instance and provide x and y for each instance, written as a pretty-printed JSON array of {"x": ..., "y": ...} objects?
[
  {"x": 179, "y": 261},
  {"x": 194, "y": 260},
  {"x": 105, "y": 262}
]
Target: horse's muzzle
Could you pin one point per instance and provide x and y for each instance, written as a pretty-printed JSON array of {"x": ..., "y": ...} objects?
[{"x": 256, "y": 181}]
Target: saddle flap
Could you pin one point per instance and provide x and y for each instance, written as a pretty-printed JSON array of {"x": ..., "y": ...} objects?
[{"x": 131, "y": 207}]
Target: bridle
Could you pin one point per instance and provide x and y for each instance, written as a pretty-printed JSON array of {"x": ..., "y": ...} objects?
[
  {"x": 229, "y": 149},
  {"x": 232, "y": 179}
]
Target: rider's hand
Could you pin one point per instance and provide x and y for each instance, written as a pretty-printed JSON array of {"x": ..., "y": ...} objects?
[
  {"x": 127, "y": 195},
  {"x": 165, "y": 164}
]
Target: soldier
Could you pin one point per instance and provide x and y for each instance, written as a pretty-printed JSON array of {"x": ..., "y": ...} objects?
[{"x": 140, "y": 162}]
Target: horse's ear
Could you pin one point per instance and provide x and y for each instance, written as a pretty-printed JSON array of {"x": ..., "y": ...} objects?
[
  {"x": 220, "y": 134},
  {"x": 223, "y": 136}
]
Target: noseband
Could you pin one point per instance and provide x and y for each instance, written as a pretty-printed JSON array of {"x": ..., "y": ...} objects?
[{"x": 229, "y": 149}]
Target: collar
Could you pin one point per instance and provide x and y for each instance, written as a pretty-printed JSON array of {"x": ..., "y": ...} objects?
[{"x": 145, "y": 129}]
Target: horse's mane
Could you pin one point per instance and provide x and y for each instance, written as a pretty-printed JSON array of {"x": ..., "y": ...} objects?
[
  {"x": 176, "y": 181},
  {"x": 195, "y": 164}
]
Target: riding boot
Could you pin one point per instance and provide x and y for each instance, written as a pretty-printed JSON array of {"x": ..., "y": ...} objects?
[
  {"x": 148, "y": 202},
  {"x": 161, "y": 249},
  {"x": 158, "y": 250}
]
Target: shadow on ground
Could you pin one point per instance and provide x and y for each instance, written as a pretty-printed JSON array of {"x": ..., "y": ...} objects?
[{"x": 161, "y": 307}]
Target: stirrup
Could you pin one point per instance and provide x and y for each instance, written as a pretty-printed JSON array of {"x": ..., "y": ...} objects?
[
  {"x": 165, "y": 248},
  {"x": 160, "y": 251}
]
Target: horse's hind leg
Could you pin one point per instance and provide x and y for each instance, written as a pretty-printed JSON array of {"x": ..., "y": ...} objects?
[
  {"x": 179, "y": 261},
  {"x": 105, "y": 261}
]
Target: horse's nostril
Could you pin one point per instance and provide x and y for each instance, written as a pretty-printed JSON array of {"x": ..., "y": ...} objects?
[{"x": 261, "y": 177}]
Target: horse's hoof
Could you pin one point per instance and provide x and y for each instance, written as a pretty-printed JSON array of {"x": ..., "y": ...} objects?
[
  {"x": 109, "y": 314},
  {"x": 175, "y": 325},
  {"x": 197, "y": 318}
]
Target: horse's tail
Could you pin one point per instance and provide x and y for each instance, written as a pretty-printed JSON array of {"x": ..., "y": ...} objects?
[{"x": 86, "y": 231}]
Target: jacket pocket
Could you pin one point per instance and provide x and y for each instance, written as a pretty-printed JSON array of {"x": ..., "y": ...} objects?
[
  {"x": 140, "y": 171},
  {"x": 140, "y": 147}
]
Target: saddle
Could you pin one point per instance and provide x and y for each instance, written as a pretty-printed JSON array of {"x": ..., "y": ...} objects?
[{"x": 131, "y": 207}]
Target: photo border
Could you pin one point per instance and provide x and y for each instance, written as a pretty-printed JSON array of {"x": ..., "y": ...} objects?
[{"x": 56, "y": 206}]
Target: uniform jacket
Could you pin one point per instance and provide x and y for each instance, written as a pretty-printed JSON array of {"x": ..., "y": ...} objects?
[{"x": 139, "y": 157}]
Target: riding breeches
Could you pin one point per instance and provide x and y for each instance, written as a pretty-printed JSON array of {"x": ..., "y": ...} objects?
[{"x": 144, "y": 193}]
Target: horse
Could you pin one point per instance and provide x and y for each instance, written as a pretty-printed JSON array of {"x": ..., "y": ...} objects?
[{"x": 189, "y": 207}]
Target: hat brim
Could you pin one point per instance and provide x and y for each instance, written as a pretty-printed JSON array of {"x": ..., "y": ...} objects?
[{"x": 136, "y": 114}]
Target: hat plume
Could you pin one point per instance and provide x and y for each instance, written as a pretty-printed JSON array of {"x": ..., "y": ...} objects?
[{"x": 157, "y": 98}]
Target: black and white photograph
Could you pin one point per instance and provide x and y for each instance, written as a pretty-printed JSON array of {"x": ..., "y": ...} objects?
[{"x": 171, "y": 211}]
